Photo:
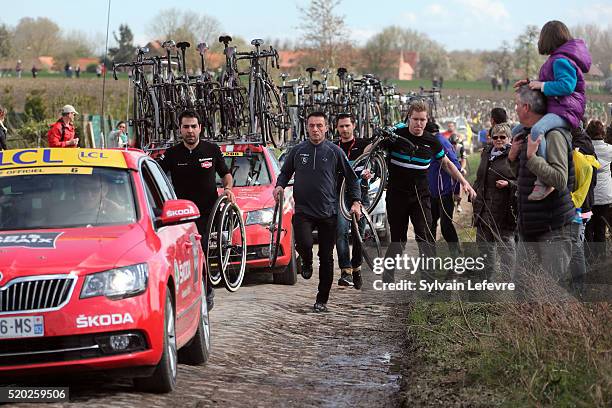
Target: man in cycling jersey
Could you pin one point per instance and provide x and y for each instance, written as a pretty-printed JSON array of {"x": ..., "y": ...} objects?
[{"x": 408, "y": 196}]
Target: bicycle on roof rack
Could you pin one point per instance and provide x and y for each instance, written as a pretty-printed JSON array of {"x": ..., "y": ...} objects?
[
  {"x": 266, "y": 112},
  {"x": 230, "y": 96}
]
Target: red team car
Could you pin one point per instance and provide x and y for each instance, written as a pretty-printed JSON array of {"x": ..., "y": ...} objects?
[
  {"x": 101, "y": 267},
  {"x": 255, "y": 170}
]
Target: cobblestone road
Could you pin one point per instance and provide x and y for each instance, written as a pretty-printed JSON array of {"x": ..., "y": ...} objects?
[{"x": 269, "y": 349}]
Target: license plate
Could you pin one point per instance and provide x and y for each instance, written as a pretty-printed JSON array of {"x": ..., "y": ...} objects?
[{"x": 21, "y": 326}]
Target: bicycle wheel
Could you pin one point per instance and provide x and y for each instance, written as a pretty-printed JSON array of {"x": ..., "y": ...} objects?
[
  {"x": 212, "y": 246},
  {"x": 367, "y": 237},
  {"x": 232, "y": 246},
  {"x": 376, "y": 164},
  {"x": 141, "y": 118},
  {"x": 276, "y": 126},
  {"x": 276, "y": 228}
]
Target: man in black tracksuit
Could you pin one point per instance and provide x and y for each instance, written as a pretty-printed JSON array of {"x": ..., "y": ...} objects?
[{"x": 316, "y": 163}]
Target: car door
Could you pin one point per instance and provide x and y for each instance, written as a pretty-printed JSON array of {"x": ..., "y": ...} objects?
[{"x": 182, "y": 242}]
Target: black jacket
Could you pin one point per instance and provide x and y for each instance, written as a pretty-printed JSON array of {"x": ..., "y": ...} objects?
[
  {"x": 316, "y": 169},
  {"x": 495, "y": 208},
  {"x": 554, "y": 211}
]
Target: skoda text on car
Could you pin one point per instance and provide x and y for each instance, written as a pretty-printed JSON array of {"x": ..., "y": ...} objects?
[
  {"x": 255, "y": 170},
  {"x": 101, "y": 267}
]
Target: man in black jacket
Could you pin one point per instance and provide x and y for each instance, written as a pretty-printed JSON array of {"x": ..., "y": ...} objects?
[
  {"x": 582, "y": 142},
  {"x": 316, "y": 163},
  {"x": 350, "y": 261}
]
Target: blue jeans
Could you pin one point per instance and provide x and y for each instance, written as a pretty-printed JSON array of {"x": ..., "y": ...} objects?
[
  {"x": 345, "y": 260},
  {"x": 578, "y": 262},
  {"x": 547, "y": 122}
]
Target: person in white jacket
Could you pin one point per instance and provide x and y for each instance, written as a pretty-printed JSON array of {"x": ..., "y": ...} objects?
[{"x": 602, "y": 203}]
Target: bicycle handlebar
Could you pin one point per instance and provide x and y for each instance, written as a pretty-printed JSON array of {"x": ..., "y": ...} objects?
[{"x": 130, "y": 65}]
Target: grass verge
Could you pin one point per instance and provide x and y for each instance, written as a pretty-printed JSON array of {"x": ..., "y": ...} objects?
[{"x": 479, "y": 354}]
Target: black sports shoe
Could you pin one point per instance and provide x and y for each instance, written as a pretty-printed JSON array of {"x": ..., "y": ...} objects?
[
  {"x": 345, "y": 279},
  {"x": 306, "y": 271},
  {"x": 357, "y": 282},
  {"x": 319, "y": 307}
]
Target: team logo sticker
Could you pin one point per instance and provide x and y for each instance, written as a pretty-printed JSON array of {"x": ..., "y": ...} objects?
[
  {"x": 207, "y": 165},
  {"x": 39, "y": 240}
]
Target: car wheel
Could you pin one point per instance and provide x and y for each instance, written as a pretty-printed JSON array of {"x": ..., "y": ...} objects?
[
  {"x": 163, "y": 379},
  {"x": 197, "y": 351},
  {"x": 287, "y": 275}
]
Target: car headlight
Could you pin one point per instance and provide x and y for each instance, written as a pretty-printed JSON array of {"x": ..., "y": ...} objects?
[
  {"x": 117, "y": 283},
  {"x": 263, "y": 216}
]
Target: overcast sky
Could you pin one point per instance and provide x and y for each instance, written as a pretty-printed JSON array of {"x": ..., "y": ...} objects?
[{"x": 457, "y": 24}]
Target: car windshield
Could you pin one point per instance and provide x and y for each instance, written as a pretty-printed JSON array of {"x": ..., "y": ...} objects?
[
  {"x": 247, "y": 170},
  {"x": 51, "y": 198}
]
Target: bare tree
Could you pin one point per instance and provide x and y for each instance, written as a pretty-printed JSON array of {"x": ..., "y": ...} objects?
[
  {"x": 324, "y": 31},
  {"x": 526, "y": 52},
  {"x": 382, "y": 52},
  {"x": 177, "y": 25},
  {"x": 599, "y": 41},
  {"x": 184, "y": 26},
  {"x": 36, "y": 37}
]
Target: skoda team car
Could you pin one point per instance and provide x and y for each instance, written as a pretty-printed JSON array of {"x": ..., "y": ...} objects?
[
  {"x": 101, "y": 267},
  {"x": 255, "y": 170}
]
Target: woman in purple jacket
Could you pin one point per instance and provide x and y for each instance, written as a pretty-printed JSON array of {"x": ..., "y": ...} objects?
[{"x": 562, "y": 81}]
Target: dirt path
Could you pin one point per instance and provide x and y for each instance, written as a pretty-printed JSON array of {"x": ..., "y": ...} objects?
[{"x": 269, "y": 349}]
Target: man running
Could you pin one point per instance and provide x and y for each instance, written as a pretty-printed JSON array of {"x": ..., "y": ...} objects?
[{"x": 316, "y": 163}]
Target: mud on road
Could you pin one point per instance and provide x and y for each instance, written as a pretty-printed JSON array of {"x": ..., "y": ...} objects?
[{"x": 270, "y": 349}]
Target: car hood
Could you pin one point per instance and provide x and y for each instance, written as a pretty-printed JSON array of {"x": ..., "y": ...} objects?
[
  {"x": 254, "y": 198},
  {"x": 78, "y": 250}
]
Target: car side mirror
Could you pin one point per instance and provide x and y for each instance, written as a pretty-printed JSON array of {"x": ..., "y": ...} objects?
[{"x": 177, "y": 212}]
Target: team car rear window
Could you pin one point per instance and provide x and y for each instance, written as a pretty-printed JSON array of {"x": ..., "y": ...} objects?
[{"x": 63, "y": 197}]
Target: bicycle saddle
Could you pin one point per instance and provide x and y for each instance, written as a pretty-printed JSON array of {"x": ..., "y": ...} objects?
[
  {"x": 342, "y": 71},
  {"x": 257, "y": 42},
  {"x": 169, "y": 44},
  {"x": 316, "y": 83},
  {"x": 202, "y": 48},
  {"x": 142, "y": 50},
  {"x": 225, "y": 39},
  {"x": 284, "y": 75},
  {"x": 183, "y": 45},
  {"x": 310, "y": 70}
]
